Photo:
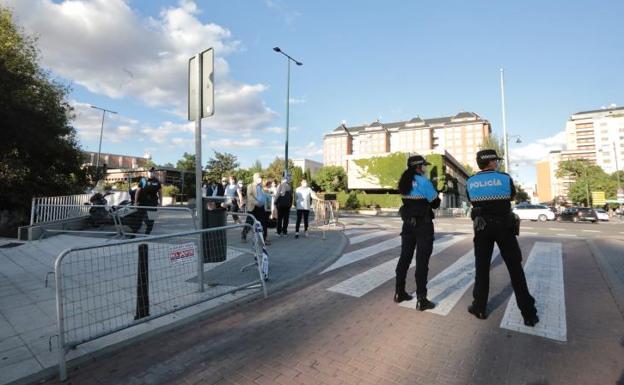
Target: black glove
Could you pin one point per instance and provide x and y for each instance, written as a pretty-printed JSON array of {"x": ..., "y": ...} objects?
[{"x": 435, "y": 203}]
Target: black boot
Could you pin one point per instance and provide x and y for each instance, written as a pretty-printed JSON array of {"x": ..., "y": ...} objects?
[
  {"x": 400, "y": 294},
  {"x": 531, "y": 320},
  {"x": 472, "y": 309},
  {"x": 424, "y": 304}
]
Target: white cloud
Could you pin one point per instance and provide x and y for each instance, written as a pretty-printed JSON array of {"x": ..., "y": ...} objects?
[
  {"x": 289, "y": 15},
  {"x": 295, "y": 101},
  {"x": 107, "y": 47},
  {"x": 274, "y": 130},
  {"x": 528, "y": 155},
  {"x": 233, "y": 143},
  {"x": 88, "y": 123},
  {"x": 311, "y": 150}
]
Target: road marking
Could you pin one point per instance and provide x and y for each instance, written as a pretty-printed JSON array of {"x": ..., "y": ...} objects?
[
  {"x": 358, "y": 255},
  {"x": 362, "y": 283},
  {"x": 591, "y": 231},
  {"x": 366, "y": 237},
  {"x": 357, "y": 231},
  {"x": 544, "y": 274},
  {"x": 553, "y": 228},
  {"x": 447, "y": 288},
  {"x": 527, "y": 233},
  {"x": 567, "y": 235},
  {"x": 527, "y": 227}
]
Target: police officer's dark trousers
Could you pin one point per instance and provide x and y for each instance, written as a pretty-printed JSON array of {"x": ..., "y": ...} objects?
[
  {"x": 498, "y": 230},
  {"x": 417, "y": 233}
]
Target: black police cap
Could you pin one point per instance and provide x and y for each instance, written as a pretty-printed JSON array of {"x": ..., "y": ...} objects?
[
  {"x": 417, "y": 160},
  {"x": 488, "y": 154}
]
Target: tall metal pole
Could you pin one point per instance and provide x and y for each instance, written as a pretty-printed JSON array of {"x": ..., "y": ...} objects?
[
  {"x": 617, "y": 170},
  {"x": 505, "y": 139},
  {"x": 104, "y": 111},
  {"x": 287, "y": 120},
  {"x": 199, "y": 202}
]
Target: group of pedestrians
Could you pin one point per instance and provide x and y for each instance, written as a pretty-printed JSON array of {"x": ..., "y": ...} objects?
[
  {"x": 269, "y": 203},
  {"x": 490, "y": 193}
]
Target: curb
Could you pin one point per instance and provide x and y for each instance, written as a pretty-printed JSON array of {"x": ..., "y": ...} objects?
[{"x": 52, "y": 372}]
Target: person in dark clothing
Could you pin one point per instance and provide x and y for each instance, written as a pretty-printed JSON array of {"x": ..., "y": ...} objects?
[
  {"x": 283, "y": 202},
  {"x": 148, "y": 193},
  {"x": 491, "y": 193},
  {"x": 214, "y": 190},
  {"x": 419, "y": 198}
]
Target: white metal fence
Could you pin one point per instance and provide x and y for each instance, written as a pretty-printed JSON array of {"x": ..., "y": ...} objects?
[
  {"x": 105, "y": 288},
  {"x": 326, "y": 214},
  {"x": 58, "y": 208}
]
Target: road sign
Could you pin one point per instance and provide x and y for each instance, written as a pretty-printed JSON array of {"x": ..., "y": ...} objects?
[
  {"x": 206, "y": 90},
  {"x": 598, "y": 198}
]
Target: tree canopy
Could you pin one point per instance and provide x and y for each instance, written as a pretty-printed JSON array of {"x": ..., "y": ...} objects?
[
  {"x": 39, "y": 153},
  {"x": 221, "y": 165},
  {"x": 331, "y": 178}
]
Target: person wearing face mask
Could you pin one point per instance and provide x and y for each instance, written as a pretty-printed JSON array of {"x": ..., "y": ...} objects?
[
  {"x": 303, "y": 202},
  {"x": 148, "y": 193},
  {"x": 419, "y": 198},
  {"x": 232, "y": 193},
  {"x": 491, "y": 192},
  {"x": 256, "y": 201}
]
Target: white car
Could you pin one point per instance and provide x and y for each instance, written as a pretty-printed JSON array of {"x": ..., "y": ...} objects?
[
  {"x": 534, "y": 212},
  {"x": 602, "y": 215}
]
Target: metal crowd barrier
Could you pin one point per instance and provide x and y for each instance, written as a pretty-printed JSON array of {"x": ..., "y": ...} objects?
[
  {"x": 59, "y": 208},
  {"x": 325, "y": 215},
  {"x": 127, "y": 220},
  {"x": 106, "y": 288}
]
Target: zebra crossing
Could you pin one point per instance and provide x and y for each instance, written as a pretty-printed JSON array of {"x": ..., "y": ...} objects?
[{"x": 543, "y": 270}]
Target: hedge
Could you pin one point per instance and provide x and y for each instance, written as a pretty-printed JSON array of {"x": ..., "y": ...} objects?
[{"x": 354, "y": 200}]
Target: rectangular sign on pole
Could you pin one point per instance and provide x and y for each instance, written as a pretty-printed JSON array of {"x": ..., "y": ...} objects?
[
  {"x": 598, "y": 198},
  {"x": 206, "y": 90}
]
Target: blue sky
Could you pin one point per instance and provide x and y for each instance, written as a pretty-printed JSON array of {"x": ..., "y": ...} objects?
[{"x": 363, "y": 60}]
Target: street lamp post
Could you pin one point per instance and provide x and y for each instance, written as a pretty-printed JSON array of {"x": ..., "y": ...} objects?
[
  {"x": 104, "y": 111},
  {"x": 505, "y": 139},
  {"x": 289, "y": 59}
]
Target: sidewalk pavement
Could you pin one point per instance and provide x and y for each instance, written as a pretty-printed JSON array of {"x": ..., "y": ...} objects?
[{"x": 28, "y": 328}]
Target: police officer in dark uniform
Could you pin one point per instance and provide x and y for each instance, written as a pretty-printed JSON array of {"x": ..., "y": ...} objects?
[
  {"x": 490, "y": 193},
  {"x": 149, "y": 193},
  {"x": 419, "y": 198}
]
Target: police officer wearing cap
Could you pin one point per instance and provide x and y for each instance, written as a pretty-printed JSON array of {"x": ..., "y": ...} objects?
[
  {"x": 490, "y": 193},
  {"x": 419, "y": 198}
]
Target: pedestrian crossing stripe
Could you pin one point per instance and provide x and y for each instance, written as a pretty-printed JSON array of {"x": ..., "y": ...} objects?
[
  {"x": 544, "y": 275},
  {"x": 447, "y": 288},
  {"x": 367, "y": 281},
  {"x": 543, "y": 271},
  {"x": 360, "y": 254},
  {"x": 367, "y": 236}
]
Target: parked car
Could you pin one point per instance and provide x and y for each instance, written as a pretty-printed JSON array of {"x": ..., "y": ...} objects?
[
  {"x": 602, "y": 215},
  {"x": 578, "y": 214},
  {"x": 534, "y": 212}
]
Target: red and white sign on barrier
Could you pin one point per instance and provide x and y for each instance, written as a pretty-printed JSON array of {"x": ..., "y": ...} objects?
[{"x": 185, "y": 252}]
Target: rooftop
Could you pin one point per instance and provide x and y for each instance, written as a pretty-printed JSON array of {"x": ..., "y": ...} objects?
[{"x": 414, "y": 123}]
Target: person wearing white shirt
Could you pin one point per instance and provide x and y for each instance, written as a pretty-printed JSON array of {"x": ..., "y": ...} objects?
[{"x": 303, "y": 202}]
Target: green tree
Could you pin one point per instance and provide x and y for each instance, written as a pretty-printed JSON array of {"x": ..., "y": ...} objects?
[
  {"x": 276, "y": 169},
  {"x": 256, "y": 167},
  {"x": 331, "y": 179},
  {"x": 493, "y": 142},
  {"x": 296, "y": 176},
  {"x": 222, "y": 165},
  {"x": 521, "y": 195},
  {"x": 39, "y": 153},
  {"x": 469, "y": 169},
  {"x": 244, "y": 175},
  {"x": 386, "y": 170},
  {"x": 587, "y": 178},
  {"x": 187, "y": 163}
]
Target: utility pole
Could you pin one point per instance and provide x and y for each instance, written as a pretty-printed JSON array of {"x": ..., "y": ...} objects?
[{"x": 104, "y": 111}]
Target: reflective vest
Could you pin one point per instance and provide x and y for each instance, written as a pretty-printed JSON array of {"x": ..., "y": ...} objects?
[
  {"x": 489, "y": 186},
  {"x": 422, "y": 188}
]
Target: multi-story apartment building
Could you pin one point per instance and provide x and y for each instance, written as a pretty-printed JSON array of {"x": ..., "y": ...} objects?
[
  {"x": 597, "y": 135},
  {"x": 460, "y": 135}
]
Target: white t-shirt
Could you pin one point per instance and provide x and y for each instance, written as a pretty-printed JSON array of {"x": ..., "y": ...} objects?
[{"x": 302, "y": 197}]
